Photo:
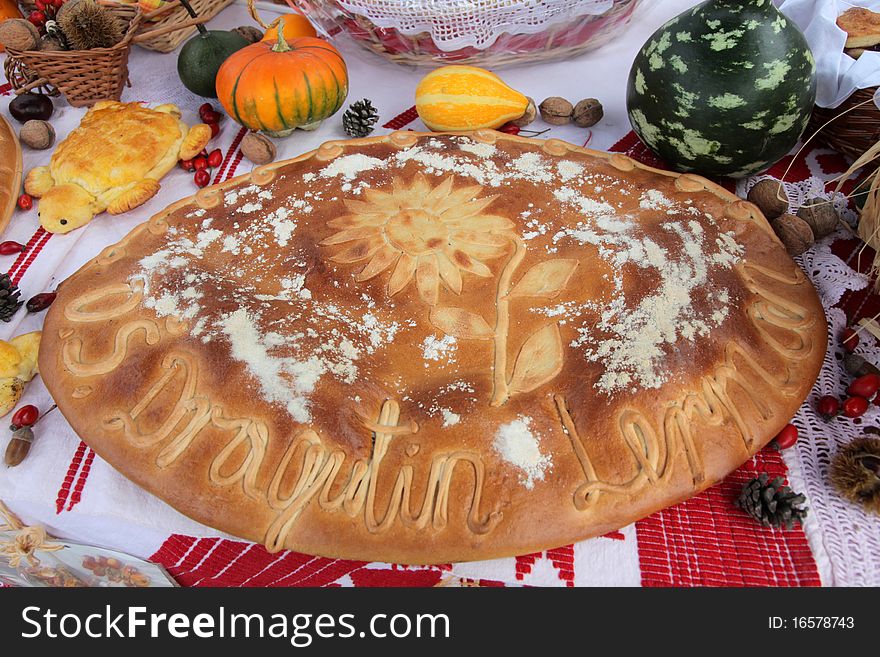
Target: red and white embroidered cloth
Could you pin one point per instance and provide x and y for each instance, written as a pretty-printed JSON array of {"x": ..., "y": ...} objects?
[{"x": 705, "y": 541}]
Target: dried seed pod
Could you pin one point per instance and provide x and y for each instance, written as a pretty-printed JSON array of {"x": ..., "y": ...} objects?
[
  {"x": 770, "y": 197},
  {"x": 37, "y": 134},
  {"x": 19, "y": 446},
  {"x": 587, "y": 113},
  {"x": 794, "y": 232},
  {"x": 19, "y": 34},
  {"x": 556, "y": 110},
  {"x": 258, "y": 148},
  {"x": 820, "y": 214},
  {"x": 530, "y": 115}
]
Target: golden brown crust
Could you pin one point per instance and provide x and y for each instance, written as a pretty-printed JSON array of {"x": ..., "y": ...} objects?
[
  {"x": 10, "y": 171},
  {"x": 862, "y": 27},
  {"x": 539, "y": 428}
]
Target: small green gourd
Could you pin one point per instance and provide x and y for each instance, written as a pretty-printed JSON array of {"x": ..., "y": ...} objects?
[{"x": 201, "y": 57}]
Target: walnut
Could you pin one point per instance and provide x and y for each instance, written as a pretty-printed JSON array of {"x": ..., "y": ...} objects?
[
  {"x": 794, "y": 232},
  {"x": 587, "y": 113},
  {"x": 257, "y": 148},
  {"x": 19, "y": 34},
  {"x": 770, "y": 197},
  {"x": 529, "y": 115},
  {"x": 37, "y": 134},
  {"x": 556, "y": 110},
  {"x": 249, "y": 32},
  {"x": 821, "y": 216}
]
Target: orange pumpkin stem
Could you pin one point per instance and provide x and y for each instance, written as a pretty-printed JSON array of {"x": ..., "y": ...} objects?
[{"x": 281, "y": 45}]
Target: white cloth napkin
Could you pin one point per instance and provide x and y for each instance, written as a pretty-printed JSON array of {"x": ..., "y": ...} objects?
[{"x": 839, "y": 75}]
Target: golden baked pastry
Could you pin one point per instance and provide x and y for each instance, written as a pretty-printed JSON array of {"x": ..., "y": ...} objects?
[
  {"x": 425, "y": 348},
  {"x": 113, "y": 161},
  {"x": 862, "y": 27},
  {"x": 10, "y": 172}
]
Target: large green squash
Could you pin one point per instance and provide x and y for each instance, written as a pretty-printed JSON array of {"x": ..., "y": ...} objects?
[{"x": 725, "y": 88}]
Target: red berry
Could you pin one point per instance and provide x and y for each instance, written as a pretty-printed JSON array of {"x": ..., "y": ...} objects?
[
  {"x": 200, "y": 163},
  {"x": 58, "y": 3},
  {"x": 855, "y": 406},
  {"x": 211, "y": 116},
  {"x": 202, "y": 178},
  {"x": 25, "y": 202},
  {"x": 37, "y": 18},
  {"x": 509, "y": 128},
  {"x": 187, "y": 165},
  {"x": 865, "y": 386},
  {"x": 40, "y": 5},
  {"x": 204, "y": 109},
  {"x": 215, "y": 129},
  {"x": 39, "y": 302},
  {"x": 828, "y": 406},
  {"x": 11, "y": 248},
  {"x": 787, "y": 437},
  {"x": 26, "y": 416},
  {"x": 850, "y": 339},
  {"x": 215, "y": 158}
]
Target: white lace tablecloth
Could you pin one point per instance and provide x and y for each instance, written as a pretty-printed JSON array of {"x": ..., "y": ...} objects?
[{"x": 111, "y": 511}]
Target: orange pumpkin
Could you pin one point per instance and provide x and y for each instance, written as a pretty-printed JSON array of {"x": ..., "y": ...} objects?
[
  {"x": 276, "y": 87},
  {"x": 295, "y": 25},
  {"x": 8, "y": 9}
]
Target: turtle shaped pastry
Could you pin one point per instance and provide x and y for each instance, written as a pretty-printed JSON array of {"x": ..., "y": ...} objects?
[{"x": 113, "y": 161}]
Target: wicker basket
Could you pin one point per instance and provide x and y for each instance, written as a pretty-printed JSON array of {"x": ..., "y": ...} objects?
[
  {"x": 170, "y": 25},
  {"x": 83, "y": 76},
  {"x": 852, "y": 133},
  {"x": 557, "y": 41}
]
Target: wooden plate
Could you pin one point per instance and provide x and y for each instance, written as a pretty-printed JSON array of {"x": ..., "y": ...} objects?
[{"x": 10, "y": 171}]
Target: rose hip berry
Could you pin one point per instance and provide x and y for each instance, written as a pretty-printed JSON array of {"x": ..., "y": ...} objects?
[
  {"x": 39, "y": 302},
  {"x": 509, "y": 129},
  {"x": 11, "y": 248},
  {"x": 210, "y": 116},
  {"x": 187, "y": 165},
  {"x": 202, "y": 178},
  {"x": 849, "y": 339},
  {"x": 200, "y": 163},
  {"x": 25, "y": 416},
  {"x": 25, "y": 202},
  {"x": 787, "y": 437},
  {"x": 215, "y": 129},
  {"x": 204, "y": 109},
  {"x": 215, "y": 158},
  {"x": 865, "y": 386},
  {"x": 828, "y": 406},
  {"x": 855, "y": 406}
]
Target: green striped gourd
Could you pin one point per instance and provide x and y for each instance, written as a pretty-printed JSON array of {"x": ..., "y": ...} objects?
[{"x": 725, "y": 88}]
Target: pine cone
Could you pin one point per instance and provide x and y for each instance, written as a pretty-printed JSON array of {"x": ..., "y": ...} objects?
[
  {"x": 772, "y": 504},
  {"x": 359, "y": 119},
  {"x": 9, "y": 301}
]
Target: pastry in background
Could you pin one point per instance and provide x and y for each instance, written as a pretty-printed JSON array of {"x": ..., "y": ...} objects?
[{"x": 863, "y": 29}]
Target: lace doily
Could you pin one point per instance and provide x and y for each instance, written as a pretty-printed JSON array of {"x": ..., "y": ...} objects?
[
  {"x": 456, "y": 24},
  {"x": 845, "y": 539}
]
